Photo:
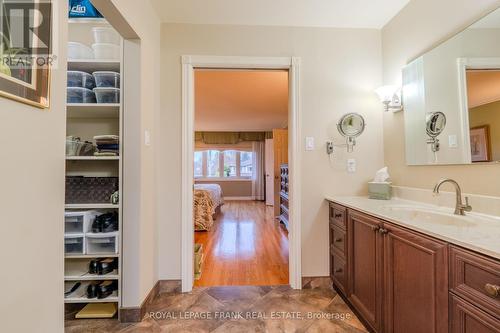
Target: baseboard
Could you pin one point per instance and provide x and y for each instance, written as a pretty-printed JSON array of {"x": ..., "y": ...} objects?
[
  {"x": 316, "y": 282},
  {"x": 238, "y": 198},
  {"x": 136, "y": 314}
]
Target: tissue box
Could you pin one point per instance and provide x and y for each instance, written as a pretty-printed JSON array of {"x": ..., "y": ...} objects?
[{"x": 380, "y": 190}]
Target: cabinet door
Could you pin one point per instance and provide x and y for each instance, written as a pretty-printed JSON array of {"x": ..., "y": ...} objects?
[
  {"x": 416, "y": 282},
  {"x": 365, "y": 267},
  {"x": 466, "y": 318}
]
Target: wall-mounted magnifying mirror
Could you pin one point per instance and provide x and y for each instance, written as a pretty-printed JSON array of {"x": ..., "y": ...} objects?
[
  {"x": 351, "y": 125},
  {"x": 435, "y": 124}
]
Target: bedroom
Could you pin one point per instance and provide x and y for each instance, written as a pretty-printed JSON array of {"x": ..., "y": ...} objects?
[{"x": 241, "y": 147}]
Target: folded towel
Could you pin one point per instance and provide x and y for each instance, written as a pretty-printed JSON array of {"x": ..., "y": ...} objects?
[{"x": 108, "y": 146}]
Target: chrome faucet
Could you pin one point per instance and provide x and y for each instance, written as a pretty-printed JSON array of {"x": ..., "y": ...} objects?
[{"x": 460, "y": 208}]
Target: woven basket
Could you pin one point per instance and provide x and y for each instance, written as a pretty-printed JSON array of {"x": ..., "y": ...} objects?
[{"x": 82, "y": 190}]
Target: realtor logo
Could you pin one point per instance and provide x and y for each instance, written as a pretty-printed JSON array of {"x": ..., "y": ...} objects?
[{"x": 26, "y": 27}]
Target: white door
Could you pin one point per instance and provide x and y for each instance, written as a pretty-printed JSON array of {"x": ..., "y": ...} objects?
[{"x": 269, "y": 170}]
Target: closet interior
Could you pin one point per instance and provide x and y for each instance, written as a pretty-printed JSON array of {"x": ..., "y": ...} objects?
[{"x": 93, "y": 200}]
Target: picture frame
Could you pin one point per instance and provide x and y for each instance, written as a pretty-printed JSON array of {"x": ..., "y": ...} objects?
[
  {"x": 25, "y": 65},
  {"x": 480, "y": 143}
]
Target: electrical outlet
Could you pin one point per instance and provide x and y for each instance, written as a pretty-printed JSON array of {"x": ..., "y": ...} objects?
[
  {"x": 147, "y": 138},
  {"x": 351, "y": 165}
]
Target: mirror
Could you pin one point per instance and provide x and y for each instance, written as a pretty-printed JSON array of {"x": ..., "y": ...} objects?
[
  {"x": 351, "y": 125},
  {"x": 436, "y": 122},
  {"x": 452, "y": 99}
]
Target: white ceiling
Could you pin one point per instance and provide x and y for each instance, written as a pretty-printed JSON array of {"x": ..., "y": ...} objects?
[
  {"x": 309, "y": 13},
  {"x": 240, "y": 100}
]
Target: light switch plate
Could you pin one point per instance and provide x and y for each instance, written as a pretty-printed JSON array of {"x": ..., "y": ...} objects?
[
  {"x": 351, "y": 165},
  {"x": 452, "y": 141},
  {"x": 147, "y": 138},
  {"x": 309, "y": 143}
]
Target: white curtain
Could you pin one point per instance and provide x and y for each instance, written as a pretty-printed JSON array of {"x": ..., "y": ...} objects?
[{"x": 258, "y": 178}]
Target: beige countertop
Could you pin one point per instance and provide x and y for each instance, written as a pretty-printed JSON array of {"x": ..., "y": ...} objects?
[{"x": 477, "y": 232}]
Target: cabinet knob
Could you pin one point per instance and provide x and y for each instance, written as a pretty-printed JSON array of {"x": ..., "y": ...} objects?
[
  {"x": 338, "y": 270},
  {"x": 383, "y": 231},
  {"x": 338, "y": 215},
  {"x": 492, "y": 290},
  {"x": 338, "y": 240}
]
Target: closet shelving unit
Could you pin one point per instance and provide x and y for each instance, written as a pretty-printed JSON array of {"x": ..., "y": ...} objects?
[{"x": 87, "y": 120}]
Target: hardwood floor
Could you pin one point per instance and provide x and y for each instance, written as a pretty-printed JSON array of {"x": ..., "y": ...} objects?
[{"x": 245, "y": 247}]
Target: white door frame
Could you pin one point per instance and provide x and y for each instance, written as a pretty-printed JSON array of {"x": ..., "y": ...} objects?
[
  {"x": 189, "y": 63},
  {"x": 463, "y": 64}
]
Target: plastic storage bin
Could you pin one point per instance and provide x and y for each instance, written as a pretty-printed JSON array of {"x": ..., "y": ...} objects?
[
  {"x": 102, "y": 243},
  {"x": 74, "y": 245},
  {"x": 105, "y": 35},
  {"x": 79, "y": 51},
  {"x": 106, "y": 51},
  {"x": 80, "y": 79},
  {"x": 107, "y": 95},
  {"x": 107, "y": 79},
  {"x": 80, "y": 95},
  {"x": 79, "y": 222}
]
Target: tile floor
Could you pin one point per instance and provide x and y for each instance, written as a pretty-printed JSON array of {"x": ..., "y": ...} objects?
[{"x": 238, "y": 309}]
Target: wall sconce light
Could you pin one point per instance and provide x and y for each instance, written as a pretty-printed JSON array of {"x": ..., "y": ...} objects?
[{"x": 390, "y": 96}]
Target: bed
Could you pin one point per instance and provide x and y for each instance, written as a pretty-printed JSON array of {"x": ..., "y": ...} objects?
[{"x": 207, "y": 202}]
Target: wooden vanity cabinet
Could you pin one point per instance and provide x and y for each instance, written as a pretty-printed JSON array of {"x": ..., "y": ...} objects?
[
  {"x": 365, "y": 265},
  {"x": 415, "y": 282},
  {"x": 397, "y": 279}
]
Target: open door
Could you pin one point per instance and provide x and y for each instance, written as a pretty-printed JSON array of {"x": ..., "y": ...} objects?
[
  {"x": 280, "y": 147},
  {"x": 269, "y": 170}
]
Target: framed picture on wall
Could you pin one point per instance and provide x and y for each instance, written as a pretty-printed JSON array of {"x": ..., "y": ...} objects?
[
  {"x": 26, "y": 51},
  {"x": 480, "y": 143}
]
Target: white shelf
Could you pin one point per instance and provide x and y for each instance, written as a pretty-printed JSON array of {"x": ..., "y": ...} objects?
[
  {"x": 113, "y": 298},
  {"x": 94, "y": 65},
  {"x": 92, "y": 277},
  {"x": 91, "y": 256},
  {"x": 93, "y": 110},
  {"x": 91, "y": 206},
  {"x": 92, "y": 158}
]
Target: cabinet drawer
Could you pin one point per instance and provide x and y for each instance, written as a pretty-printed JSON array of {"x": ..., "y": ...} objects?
[
  {"x": 476, "y": 279},
  {"x": 338, "y": 215},
  {"x": 338, "y": 272},
  {"x": 338, "y": 240},
  {"x": 466, "y": 318}
]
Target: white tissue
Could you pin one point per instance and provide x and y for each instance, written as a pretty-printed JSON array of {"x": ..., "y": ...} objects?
[{"x": 382, "y": 176}]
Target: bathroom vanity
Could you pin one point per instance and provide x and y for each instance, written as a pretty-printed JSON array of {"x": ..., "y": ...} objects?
[{"x": 411, "y": 267}]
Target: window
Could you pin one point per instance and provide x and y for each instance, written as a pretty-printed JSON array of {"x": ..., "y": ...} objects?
[
  {"x": 223, "y": 164},
  {"x": 230, "y": 157},
  {"x": 246, "y": 164},
  {"x": 198, "y": 164},
  {"x": 213, "y": 165}
]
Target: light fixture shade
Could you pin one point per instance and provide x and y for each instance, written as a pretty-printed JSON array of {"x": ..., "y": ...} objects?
[{"x": 386, "y": 93}]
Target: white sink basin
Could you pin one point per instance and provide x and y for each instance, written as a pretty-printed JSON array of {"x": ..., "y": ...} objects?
[{"x": 430, "y": 215}]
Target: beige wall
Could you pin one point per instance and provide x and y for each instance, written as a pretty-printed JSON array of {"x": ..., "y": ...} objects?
[
  {"x": 233, "y": 188},
  {"x": 143, "y": 274},
  {"x": 339, "y": 71},
  {"x": 32, "y": 196},
  {"x": 418, "y": 27},
  {"x": 488, "y": 114}
]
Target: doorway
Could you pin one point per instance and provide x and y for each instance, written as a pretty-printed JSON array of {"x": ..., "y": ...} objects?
[
  {"x": 238, "y": 239},
  {"x": 190, "y": 64}
]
